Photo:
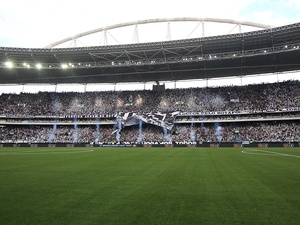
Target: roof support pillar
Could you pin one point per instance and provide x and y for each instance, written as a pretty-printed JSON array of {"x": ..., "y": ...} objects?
[
  {"x": 104, "y": 38},
  {"x": 136, "y": 35},
  {"x": 169, "y": 31}
]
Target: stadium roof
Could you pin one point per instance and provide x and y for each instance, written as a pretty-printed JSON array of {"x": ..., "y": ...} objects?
[{"x": 272, "y": 50}]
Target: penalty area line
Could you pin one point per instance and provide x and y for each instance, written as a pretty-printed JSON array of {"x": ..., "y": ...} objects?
[{"x": 263, "y": 152}]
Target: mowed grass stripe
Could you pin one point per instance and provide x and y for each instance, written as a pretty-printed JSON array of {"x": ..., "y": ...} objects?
[{"x": 149, "y": 186}]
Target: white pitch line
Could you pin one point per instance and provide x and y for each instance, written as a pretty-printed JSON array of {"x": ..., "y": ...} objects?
[
  {"x": 43, "y": 152},
  {"x": 268, "y": 153}
]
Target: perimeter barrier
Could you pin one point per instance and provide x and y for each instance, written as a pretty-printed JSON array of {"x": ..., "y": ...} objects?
[{"x": 160, "y": 145}]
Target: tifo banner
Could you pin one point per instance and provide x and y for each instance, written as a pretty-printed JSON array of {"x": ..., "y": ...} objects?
[{"x": 162, "y": 119}]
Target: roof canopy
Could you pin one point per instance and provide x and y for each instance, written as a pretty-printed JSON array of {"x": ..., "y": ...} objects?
[{"x": 264, "y": 51}]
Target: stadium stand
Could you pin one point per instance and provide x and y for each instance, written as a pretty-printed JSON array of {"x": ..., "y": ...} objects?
[
  {"x": 283, "y": 96},
  {"x": 258, "y": 113}
]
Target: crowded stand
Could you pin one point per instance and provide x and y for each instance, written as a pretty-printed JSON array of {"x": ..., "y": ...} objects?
[
  {"x": 238, "y": 132},
  {"x": 259, "y": 113},
  {"x": 226, "y": 100}
]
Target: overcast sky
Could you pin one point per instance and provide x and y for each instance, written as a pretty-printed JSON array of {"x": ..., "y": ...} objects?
[{"x": 37, "y": 23}]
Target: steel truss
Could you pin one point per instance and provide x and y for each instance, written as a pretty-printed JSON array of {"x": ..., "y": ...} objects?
[{"x": 142, "y": 58}]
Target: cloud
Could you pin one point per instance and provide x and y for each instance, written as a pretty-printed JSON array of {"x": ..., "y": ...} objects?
[
  {"x": 276, "y": 13},
  {"x": 293, "y": 3}
]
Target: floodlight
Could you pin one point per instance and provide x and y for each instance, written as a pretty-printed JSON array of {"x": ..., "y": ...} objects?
[
  {"x": 39, "y": 66},
  {"x": 9, "y": 64},
  {"x": 26, "y": 65},
  {"x": 64, "y": 66}
]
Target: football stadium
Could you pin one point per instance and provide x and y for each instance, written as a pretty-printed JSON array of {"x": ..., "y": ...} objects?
[{"x": 221, "y": 154}]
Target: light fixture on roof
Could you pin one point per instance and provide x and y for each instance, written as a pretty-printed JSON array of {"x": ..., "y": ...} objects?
[
  {"x": 64, "y": 66},
  {"x": 38, "y": 66},
  {"x": 9, "y": 64},
  {"x": 26, "y": 65}
]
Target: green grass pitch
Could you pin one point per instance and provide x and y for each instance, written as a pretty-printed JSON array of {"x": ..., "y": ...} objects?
[{"x": 176, "y": 186}]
